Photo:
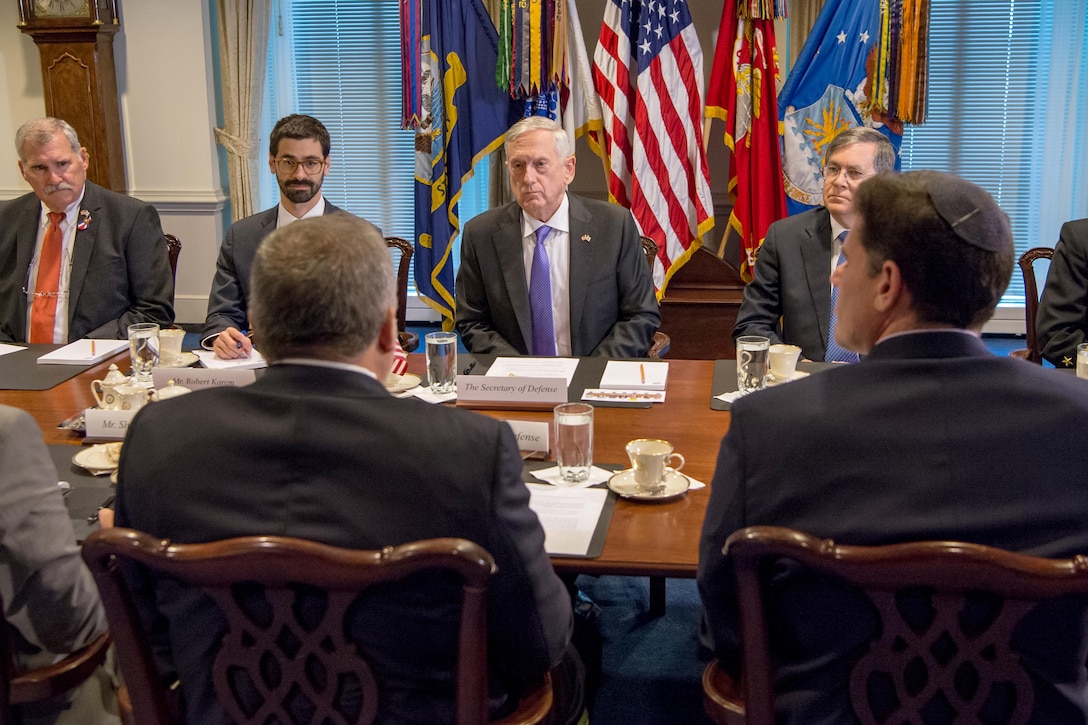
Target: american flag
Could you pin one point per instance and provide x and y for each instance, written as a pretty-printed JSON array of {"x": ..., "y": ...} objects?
[{"x": 648, "y": 70}]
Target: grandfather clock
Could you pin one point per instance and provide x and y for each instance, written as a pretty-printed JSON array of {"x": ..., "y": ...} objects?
[{"x": 75, "y": 41}]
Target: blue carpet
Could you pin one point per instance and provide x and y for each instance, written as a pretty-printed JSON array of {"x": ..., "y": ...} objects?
[{"x": 652, "y": 665}]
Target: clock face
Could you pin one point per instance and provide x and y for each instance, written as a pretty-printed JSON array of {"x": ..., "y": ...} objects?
[{"x": 61, "y": 8}]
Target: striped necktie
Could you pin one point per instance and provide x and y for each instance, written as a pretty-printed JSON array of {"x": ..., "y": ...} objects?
[
  {"x": 43, "y": 310},
  {"x": 835, "y": 351},
  {"x": 540, "y": 296}
]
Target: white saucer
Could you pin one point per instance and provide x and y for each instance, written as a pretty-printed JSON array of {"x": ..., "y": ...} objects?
[
  {"x": 401, "y": 383},
  {"x": 185, "y": 360},
  {"x": 797, "y": 375},
  {"x": 95, "y": 460},
  {"x": 623, "y": 483}
]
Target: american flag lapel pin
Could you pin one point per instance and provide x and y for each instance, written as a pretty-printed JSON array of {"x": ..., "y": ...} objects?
[{"x": 587, "y": 238}]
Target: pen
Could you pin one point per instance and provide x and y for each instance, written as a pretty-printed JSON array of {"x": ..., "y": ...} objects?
[
  {"x": 642, "y": 372},
  {"x": 92, "y": 348},
  {"x": 105, "y": 505},
  {"x": 468, "y": 369}
]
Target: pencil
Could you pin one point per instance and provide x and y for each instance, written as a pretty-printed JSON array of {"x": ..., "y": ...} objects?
[
  {"x": 92, "y": 348},
  {"x": 642, "y": 372}
]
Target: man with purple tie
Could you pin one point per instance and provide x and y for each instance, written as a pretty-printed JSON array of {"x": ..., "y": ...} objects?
[{"x": 552, "y": 273}]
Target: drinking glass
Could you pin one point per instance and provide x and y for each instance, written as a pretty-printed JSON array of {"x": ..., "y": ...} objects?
[
  {"x": 752, "y": 354},
  {"x": 574, "y": 441},
  {"x": 143, "y": 348},
  {"x": 442, "y": 361}
]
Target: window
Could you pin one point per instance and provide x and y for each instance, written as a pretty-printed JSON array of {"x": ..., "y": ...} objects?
[
  {"x": 1005, "y": 80},
  {"x": 339, "y": 61}
]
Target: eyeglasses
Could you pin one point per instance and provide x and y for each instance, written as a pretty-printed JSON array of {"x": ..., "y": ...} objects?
[
  {"x": 832, "y": 171},
  {"x": 310, "y": 166}
]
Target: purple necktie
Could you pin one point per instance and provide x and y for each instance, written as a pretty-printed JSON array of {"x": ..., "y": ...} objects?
[
  {"x": 835, "y": 351},
  {"x": 540, "y": 296}
]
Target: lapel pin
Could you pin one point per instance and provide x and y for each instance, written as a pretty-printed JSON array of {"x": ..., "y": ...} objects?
[
  {"x": 84, "y": 219},
  {"x": 586, "y": 238}
]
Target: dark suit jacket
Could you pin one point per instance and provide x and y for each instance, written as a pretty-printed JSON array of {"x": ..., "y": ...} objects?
[
  {"x": 329, "y": 455},
  {"x": 613, "y": 311},
  {"x": 228, "y": 303},
  {"x": 120, "y": 267},
  {"x": 789, "y": 297},
  {"x": 1062, "y": 320},
  {"x": 930, "y": 437}
]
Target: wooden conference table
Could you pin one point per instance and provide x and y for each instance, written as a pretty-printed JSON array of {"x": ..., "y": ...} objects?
[{"x": 644, "y": 539}]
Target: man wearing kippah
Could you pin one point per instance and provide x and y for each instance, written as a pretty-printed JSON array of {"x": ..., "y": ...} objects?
[{"x": 929, "y": 437}]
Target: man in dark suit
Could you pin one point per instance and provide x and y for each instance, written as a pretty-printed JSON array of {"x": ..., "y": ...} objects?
[
  {"x": 318, "y": 449},
  {"x": 789, "y": 297},
  {"x": 597, "y": 296},
  {"x": 298, "y": 156},
  {"x": 76, "y": 260},
  {"x": 929, "y": 437},
  {"x": 50, "y": 600},
  {"x": 1062, "y": 320}
]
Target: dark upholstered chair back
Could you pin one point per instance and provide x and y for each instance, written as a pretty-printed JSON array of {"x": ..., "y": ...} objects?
[
  {"x": 1027, "y": 261},
  {"x": 307, "y": 652},
  {"x": 409, "y": 341},
  {"x": 947, "y": 612},
  {"x": 22, "y": 688}
]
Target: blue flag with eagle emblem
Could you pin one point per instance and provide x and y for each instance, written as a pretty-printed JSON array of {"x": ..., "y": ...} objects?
[
  {"x": 827, "y": 91},
  {"x": 464, "y": 116}
]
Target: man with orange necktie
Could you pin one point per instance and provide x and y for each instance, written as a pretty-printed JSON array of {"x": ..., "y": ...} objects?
[{"x": 76, "y": 260}]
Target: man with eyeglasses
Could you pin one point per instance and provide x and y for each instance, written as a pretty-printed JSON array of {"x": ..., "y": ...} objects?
[
  {"x": 789, "y": 297},
  {"x": 298, "y": 156},
  {"x": 76, "y": 260}
]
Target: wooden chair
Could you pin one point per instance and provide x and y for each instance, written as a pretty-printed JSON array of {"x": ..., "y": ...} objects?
[
  {"x": 43, "y": 682},
  {"x": 1027, "y": 260},
  {"x": 950, "y": 573},
  {"x": 661, "y": 342},
  {"x": 173, "y": 249},
  {"x": 409, "y": 341},
  {"x": 279, "y": 564}
]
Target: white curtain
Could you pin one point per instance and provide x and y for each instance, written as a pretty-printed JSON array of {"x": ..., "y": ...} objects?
[
  {"x": 281, "y": 91},
  {"x": 1064, "y": 137},
  {"x": 243, "y": 49}
]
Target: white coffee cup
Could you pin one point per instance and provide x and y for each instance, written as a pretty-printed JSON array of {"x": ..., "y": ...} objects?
[
  {"x": 649, "y": 460},
  {"x": 170, "y": 345},
  {"x": 783, "y": 360}
]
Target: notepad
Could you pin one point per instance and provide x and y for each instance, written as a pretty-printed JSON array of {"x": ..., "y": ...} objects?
[
  {"x": 83, "y": 352},
  {"x": 626, "y": 375},
  {"x": 210, "y": 361}
]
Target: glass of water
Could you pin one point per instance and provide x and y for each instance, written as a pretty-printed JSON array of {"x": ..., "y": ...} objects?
[
  {"x": 143, "y": 348},
  {"x": 442, "y": 361},
  {"x": 752, "y": 357},
  {"x": 574, "y": 441}
]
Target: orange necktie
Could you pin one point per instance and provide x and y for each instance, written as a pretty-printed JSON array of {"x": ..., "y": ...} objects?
[{"x": 43, "y": 312}]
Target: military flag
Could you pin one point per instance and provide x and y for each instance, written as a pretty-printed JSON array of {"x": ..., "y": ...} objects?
[
  {"x": 463, "y": 116},
  {"x": 830, "y": 89},
  {"x": 743, "y": 93}
]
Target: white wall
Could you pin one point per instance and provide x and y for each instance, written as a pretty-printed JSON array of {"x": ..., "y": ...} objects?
[{"x": 163, "y": 55}]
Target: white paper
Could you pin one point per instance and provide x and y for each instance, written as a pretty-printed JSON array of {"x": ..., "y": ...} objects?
[
  {"x": 625, "y": 375},
  {"x": 210, "y": 361},
  {"x": 6, "y": 349},
  {"x": 534, "y": 367},
  {"x": 569, "y": 516},
  {"x": 80, "y": 352},
  {"x": 551, "y": 475}
]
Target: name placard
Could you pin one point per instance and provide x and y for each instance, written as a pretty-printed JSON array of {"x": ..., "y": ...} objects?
[
  {"x": 483, "y": 391},
  {"x": 197, "y": 378},
  {"x": 109, "y": 425},
  {"x": 533, "y": 436}
]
